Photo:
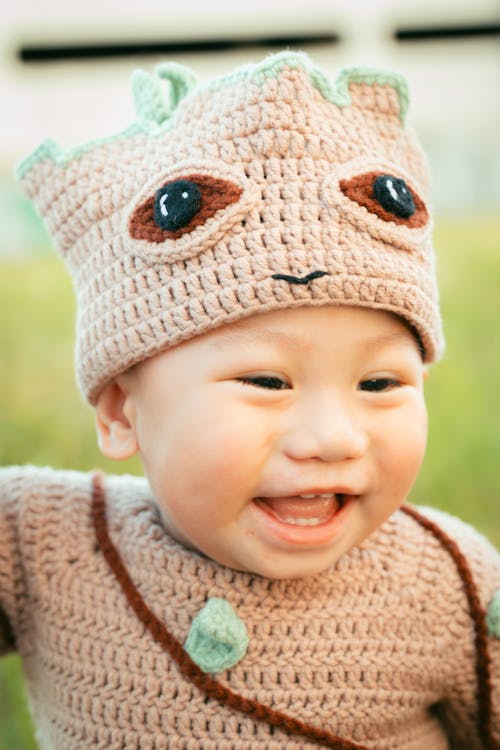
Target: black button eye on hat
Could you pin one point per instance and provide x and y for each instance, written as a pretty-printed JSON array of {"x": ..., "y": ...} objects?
[
  {"x": 388, "y": 197},
  {"x": 393, "y": 194},
  {"x": 180, "y": 205},
  {"x": 176, "y": 203}
]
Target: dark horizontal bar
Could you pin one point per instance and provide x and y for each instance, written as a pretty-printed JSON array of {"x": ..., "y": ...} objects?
[
  {"x": 52, "y": 52},
  {"x": 447, "y": 32}
]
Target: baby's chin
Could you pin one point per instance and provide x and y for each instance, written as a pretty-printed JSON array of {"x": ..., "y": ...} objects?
[
  {"x": 277, "y": 569},
  {"x": 253, "y": 559}
]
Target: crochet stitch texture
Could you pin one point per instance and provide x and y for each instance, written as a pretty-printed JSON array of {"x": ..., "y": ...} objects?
[
  {"x": 377, "y": 650},
  {"x": 282, "y": 159}
]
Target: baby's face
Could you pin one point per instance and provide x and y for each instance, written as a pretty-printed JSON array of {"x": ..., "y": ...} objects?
[{"x": 276, "y": 444}]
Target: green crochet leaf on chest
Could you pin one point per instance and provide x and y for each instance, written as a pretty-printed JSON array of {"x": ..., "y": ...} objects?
[
  {"x": 493, "y": 616},
  {"x": 217, "y": 639}
]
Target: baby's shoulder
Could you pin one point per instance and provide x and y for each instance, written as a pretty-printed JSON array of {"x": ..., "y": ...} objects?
[
  {"x": 449, "y": 553},
  {"x": 467, "y": 545},
  {"x": 36, "y": 498},
  {"x": 44, "y": 486},
  {"x": 44, "y": 509},
  {"x": 34, "y": 483}
]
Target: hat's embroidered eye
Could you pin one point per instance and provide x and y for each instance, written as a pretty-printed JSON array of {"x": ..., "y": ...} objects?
[
  {"x": 176, "y": 204},
  {"x": 392, "y": 193},
  {"x": 389, "y": 197},
  {"x": 180, "y": 206}
]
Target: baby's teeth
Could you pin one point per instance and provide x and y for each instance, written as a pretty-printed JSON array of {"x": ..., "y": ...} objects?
[
  {"x": 303, "y": 521},
  {"x": 326, "y": 494}
]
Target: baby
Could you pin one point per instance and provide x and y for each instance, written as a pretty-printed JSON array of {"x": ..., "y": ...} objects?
[{"x": 257, "y": 309}]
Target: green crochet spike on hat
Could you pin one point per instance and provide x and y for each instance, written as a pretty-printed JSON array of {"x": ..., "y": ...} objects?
[{"x": 217, "y": 639}]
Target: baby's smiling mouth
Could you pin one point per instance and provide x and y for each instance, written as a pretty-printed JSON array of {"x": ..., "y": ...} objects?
[{"x": 308, "y": 509}]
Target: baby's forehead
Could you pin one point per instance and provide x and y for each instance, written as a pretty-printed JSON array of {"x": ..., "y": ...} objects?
[
  {"x": 312, "y": 340},
  {"x": 307, "y": 328}
]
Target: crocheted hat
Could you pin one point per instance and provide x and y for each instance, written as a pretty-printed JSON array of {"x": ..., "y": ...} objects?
[{"x": 268, "y": 188}]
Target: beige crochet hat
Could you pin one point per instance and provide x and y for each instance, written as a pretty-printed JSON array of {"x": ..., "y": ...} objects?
[{"x": 268, "y": 188}]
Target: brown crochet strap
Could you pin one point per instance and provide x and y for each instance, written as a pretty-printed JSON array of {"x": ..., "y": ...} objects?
[
  {"x": 478, "y": 615},
  {"x": 223, "y": 695}
]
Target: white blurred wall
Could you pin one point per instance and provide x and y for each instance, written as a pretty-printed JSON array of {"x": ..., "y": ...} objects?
[{"x": 455, "y": 84}]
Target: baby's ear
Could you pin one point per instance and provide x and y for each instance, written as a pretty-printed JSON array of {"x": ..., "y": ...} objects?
[{"x": 116, "y": 434}]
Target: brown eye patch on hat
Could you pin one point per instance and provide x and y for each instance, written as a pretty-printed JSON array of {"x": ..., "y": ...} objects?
[
  {"x": 179, "y": 206},
  {"x": 387, "y": 196}
]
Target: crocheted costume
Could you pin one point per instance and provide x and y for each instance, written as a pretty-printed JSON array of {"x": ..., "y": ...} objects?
[{"x": 378, "y": 651}]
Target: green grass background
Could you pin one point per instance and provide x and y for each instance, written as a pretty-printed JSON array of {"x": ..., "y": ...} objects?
[{"x": 45, "y": 421}]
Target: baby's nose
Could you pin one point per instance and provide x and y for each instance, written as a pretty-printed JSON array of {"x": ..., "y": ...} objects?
[{"x": 333, "y": 433}]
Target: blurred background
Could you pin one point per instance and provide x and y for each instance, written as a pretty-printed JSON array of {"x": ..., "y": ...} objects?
[{"x": 64, "y": 74}]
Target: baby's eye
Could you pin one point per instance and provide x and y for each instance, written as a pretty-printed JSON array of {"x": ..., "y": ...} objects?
[
  {"x": 377, "y": 385},
  {"x": 269, "y": 382}
]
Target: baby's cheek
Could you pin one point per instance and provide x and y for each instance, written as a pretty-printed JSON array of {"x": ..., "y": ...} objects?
[
  {"x": 231, "y": 442},
  {"x": 404, "y": 454},
  {"x": 417, "y": 439}
]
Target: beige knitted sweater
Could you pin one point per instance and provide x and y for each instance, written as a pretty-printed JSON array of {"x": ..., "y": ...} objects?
[{"x": 382, "y": 651}]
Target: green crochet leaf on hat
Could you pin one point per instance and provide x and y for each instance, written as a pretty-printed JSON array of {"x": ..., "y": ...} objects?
[
  {"x": 153, "y": 113},
  {"x": 181, "y": 79},
  {"x": 50, "y": 149},
  {"x": 217, "y": 639},
  {"x": 336, "y": 92},
  {"x": 150, "y": 105},
  {"x": 493, "y": 616}
]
